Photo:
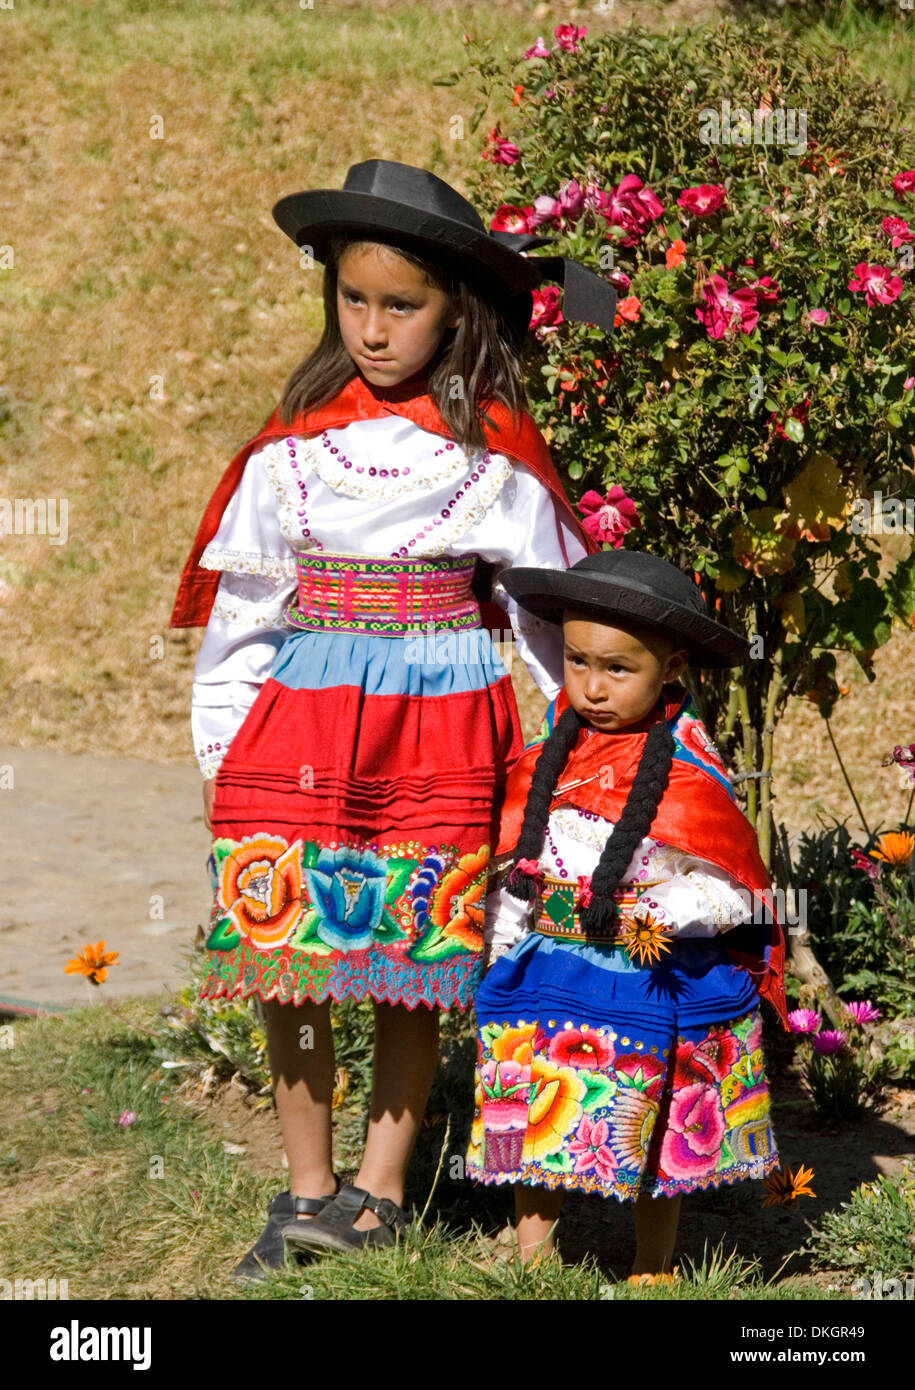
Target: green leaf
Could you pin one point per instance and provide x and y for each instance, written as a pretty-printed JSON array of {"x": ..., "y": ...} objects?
[
  {"x": 794, "y": 430},
  {"x": 306, "y": 936},
  {"x": 599, "y": 1092},
  {"x": 389, "y": 929},
  {"x": 894, "y": 419},
  {"x": 311, "y": 853},
  {"x": 224, "y": 936}
]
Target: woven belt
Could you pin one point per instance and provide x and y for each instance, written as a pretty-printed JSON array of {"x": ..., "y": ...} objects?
[
  {"x": 556, "y": 915},
  {"x": 387, "y": 597}
]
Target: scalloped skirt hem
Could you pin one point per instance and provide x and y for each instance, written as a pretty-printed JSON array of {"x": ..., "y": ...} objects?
[
  {"x": 434, "y": 987},
  {"x": 532, "y": 1175}
]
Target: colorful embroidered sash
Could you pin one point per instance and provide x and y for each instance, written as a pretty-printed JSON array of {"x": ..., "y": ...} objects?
[
  {"x": 556, "y": 915},
  {"x": 383, "y": 597}
]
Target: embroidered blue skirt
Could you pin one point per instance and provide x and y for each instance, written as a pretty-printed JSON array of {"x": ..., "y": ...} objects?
[{"x": 604, "y": 1076}]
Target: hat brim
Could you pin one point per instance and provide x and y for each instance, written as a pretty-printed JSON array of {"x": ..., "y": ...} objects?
[
  {"x": 313, "y": 218},
  {"x": 548, "y": 593}
]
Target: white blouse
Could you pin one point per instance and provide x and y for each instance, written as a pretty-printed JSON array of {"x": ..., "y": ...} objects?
[
  {"x": 372, "y": 488},
  {"x": 693, "y": 897}
]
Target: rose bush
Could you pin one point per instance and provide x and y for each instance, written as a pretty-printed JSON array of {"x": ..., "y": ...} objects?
[{"x": 751, "y": 200}]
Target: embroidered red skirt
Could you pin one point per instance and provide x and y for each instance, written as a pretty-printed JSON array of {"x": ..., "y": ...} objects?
[{"x": 354, "y": 813}]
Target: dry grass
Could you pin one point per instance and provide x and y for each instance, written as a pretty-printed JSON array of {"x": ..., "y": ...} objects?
[{"x": 154, "y": 313}]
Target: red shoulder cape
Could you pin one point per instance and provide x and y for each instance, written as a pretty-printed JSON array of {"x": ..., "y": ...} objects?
[
  {"x": 696, "y": 815},
  {"x": 520, "y": 440}
]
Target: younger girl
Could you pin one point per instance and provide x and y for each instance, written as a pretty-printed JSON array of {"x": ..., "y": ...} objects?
[
  {"x": 619, "y": 1028},
  {"x": 352, "y": 718}
]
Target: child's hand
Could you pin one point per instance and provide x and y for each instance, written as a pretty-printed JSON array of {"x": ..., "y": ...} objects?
[{"x": 209, "y": 791}]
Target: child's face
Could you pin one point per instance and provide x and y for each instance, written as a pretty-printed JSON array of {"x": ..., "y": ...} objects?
[
  {"x": 613, "y": 676},
  {"x": 391, "y": 319}
]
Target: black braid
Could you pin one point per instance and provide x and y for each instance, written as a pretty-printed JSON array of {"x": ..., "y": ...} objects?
[
  {"x": 547, "y": 770},
  {"x": 631, "y": 828}
]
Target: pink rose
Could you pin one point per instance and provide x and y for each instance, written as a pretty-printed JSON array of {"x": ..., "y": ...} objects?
[
  {"x": 505, "y": 152},
  {"x": 897, "y": 229},
  {"x": 818, "y": 316},
  {"x": 608, "y": 518},
  {"x": 727, "y": 310},
  {"x": 632, "y": 207},
  {"x": 766, "y": 290},
  {"x": 537, "y": 50},
  {"x": 877, "y": 282},
  {"x": 702, "y": 200},
  {"x": 509, "y": 218},
  {"x": 908, "y": 383},
  {"x": 546, "y": 315},
  {"x": 904, "y": 183},
  {"x": 571, "y": 200},
  {"x": 545, "y": 209},
  {"x": 596, "y": 199},
  {"x": 568, "y": 35}
]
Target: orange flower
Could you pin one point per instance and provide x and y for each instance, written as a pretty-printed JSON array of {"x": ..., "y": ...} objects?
[
  {"x": 895, "y": 849},
  {"x": 785, "y": 1186},
  {"x": 515, "y": 1045},
  {"x": 555, "y": 1108},
  {"x": 674, "y": 254},
  {"x": 516, "y": 99},
  {"x": 457, "y": 906},
  {"x": 261, "y": 888},
  {"x": 93, "y": 963},
  {"x": 671, "y": 1278},
  {"x": 627, "y": 309},
  {"x": 645, "y": 937}
]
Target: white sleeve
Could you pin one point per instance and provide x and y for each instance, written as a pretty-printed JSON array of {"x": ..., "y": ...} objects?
[
  {"x": 535, "y": 533},
  {"x": 507, "y": 918},
  {"x": 245, "y": 631},
  {"x": 249, "y": 539},
  {"x": 246, "y": 626},
  {"x": 700, "y": 900}
]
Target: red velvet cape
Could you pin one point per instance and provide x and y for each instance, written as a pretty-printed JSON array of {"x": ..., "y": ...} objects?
[
  {"x": 696, "y": 814},
  {"x": 357, "y": 400}
]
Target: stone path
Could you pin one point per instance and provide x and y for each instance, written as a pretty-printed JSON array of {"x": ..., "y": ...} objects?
[{"x": 98, "y": 849}]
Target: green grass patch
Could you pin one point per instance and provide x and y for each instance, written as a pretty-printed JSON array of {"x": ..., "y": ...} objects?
[{"x": 158, "y": 1209}]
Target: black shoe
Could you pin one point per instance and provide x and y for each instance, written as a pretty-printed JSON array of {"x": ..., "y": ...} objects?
[
  {"x": 334, "y": 1228},
  {"x": 269, "y": 1252}
]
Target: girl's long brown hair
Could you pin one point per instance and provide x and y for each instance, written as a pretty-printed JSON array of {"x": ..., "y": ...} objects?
[{"x": 482, "y": 355}]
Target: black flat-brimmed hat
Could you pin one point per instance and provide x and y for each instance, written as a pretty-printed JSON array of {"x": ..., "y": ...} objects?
[
  {"x": 384, "y": 201},
  {"x": 629, "y": 584}
]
